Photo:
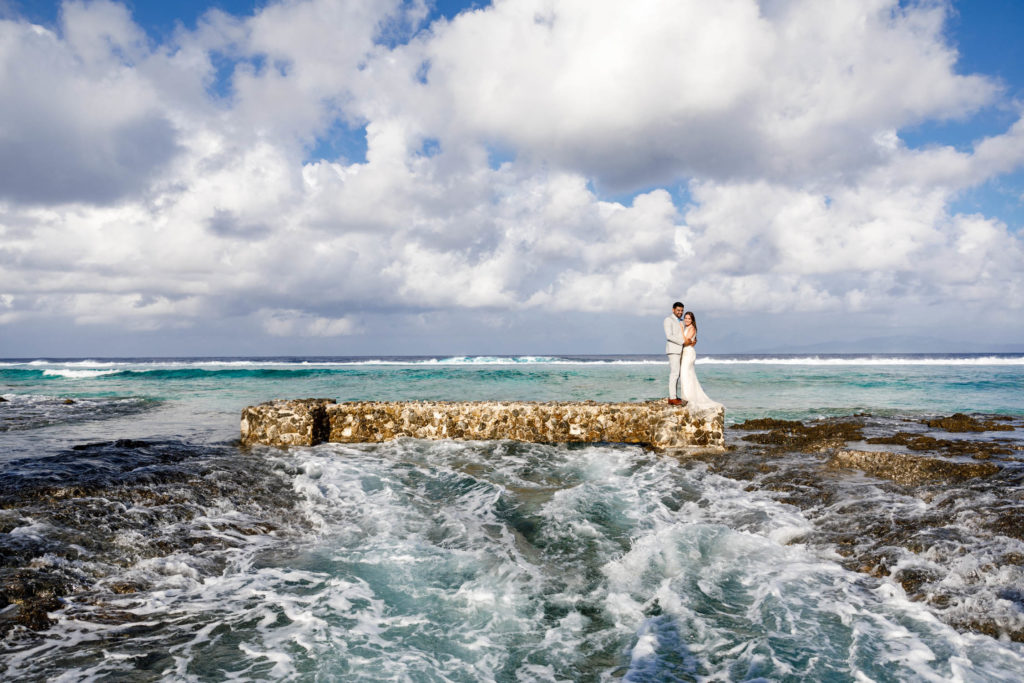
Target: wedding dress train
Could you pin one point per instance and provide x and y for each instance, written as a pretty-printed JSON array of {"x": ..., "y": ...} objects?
[{"x": 696, "y": 399}]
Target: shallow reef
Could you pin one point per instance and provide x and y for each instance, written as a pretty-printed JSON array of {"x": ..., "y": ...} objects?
[{"x": 942, "y": 517}]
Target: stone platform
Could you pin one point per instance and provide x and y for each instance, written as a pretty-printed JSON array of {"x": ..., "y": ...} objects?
[{"x": 308, "y": 422}]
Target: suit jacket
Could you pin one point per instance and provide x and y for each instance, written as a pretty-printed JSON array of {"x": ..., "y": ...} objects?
[{"x": 673, "y": 335}]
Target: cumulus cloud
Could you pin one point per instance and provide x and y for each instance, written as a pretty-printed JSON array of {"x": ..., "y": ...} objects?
[
  {"x": 632, "y": 93},
  {"x": 79, "y": 122},
  {"x": 754, "y": 149}
]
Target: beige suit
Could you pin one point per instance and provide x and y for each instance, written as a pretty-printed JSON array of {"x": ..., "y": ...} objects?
[{"x": 674, "y": 351}]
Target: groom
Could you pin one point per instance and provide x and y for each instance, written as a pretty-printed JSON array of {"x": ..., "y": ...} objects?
[{"x": 674, "y": 349}]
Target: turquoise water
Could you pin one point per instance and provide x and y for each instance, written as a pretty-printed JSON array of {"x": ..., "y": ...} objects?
[
  {"x": 180, "y": 556},
  {"x": 790, "y": 387}
]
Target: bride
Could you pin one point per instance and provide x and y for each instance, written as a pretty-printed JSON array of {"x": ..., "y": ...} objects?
[{"x": 692, "y": 392}]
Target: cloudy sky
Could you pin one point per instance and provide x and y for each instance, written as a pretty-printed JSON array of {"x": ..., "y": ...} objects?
[{"x": 524, "y": 176}]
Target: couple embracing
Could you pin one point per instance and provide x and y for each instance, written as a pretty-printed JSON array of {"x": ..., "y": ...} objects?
[{"x": 680, "y": 339}]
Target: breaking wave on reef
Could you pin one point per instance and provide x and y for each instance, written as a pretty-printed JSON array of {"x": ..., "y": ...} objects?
[{"x": 89, "y": 369}]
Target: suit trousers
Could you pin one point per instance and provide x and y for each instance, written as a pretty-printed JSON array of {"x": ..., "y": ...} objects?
[{"x": 674, "y": 363}]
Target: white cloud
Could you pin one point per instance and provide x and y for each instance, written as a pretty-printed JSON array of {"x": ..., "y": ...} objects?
[
  {"x": 840, "y": 243},
  {"x": 639, "y": 92},
  {"x": 77, "y": 121},
  {"x": 296, "y": 323},
  {"x": 187, "y": 204},
  {"x": 102, "y": 35}
]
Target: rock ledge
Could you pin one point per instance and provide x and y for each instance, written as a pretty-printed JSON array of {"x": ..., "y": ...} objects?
[{"x": 308, "y": 422}]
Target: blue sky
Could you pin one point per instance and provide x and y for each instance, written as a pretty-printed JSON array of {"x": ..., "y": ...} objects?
[
  {"x": 986, "y": 35},
  {"x": 523, "y": 177},
  {"x": 159, "y": 19}
]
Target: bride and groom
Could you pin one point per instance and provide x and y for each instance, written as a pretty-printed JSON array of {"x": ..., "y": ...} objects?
[{"x": 680, "y": 338}]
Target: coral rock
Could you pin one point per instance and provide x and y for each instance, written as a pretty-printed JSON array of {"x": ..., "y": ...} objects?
[
  {"x": 910, "y": 469},
  {"x": 311, "y": 421}
]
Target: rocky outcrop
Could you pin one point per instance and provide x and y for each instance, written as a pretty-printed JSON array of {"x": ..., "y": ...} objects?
[
  {"x": 958, "y": 422},
  {"x": 312, "y": 421},
  {"x": 909, "y": 469},
  {"x": 298, "y": 422},
  {"x": 796, "y": 436}
]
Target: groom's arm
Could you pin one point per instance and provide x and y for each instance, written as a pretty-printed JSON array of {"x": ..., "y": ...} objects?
[{"x": 673, "y": 331}]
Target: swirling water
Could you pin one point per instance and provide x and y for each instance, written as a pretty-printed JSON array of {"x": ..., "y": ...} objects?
[{"x": 175, "y": 554}]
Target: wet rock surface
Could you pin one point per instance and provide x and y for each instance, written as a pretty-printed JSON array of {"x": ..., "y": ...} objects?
[
  {"x": 313, "y": 421},
  {"x": 35, "y": 594},
  {"x": 22, "y": 412},
  {"x": 798, "y": 436},
  {"x": 959, "y": 422},
  {"x": 79, "y": 524},
  {"x": 979, "y": 450},
  {"x": 909, "y": 469},
  {"x": 926, "y": 515}
]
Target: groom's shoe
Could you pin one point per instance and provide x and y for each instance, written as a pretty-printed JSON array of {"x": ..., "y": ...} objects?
[{"x": 675, "y": 402}]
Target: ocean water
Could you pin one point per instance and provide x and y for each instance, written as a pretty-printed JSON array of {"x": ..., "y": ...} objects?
[{"x": 141, "y": 542}]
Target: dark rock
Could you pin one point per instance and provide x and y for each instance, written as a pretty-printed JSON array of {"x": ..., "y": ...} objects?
[
  {"x": 119, "y": 443},
  {"x": 959, "y": 422},
  {"x": 923, "y": 442},
  {"x": 125, "y": 587},
  {"x": 1007, "y": 522},
  {"x": 912, "y": 579},
  {"x": 35, "y": 593},
  {"x": 990, "y": 628},
  {"x": 153, "y": 661},
  {"x": 866, "y": 535},
  {"x": 1013, "y": 558},
  {"x": 910, "y": 469},
  {"x": 768, "y": 423},
  {"x": 797, "y": 436}
]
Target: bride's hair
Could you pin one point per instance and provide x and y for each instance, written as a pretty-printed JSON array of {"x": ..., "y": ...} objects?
[{"x": 693, "y": 320}]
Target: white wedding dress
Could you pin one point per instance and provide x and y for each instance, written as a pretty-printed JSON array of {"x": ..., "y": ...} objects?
[{"x": 696, "y": 400}]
